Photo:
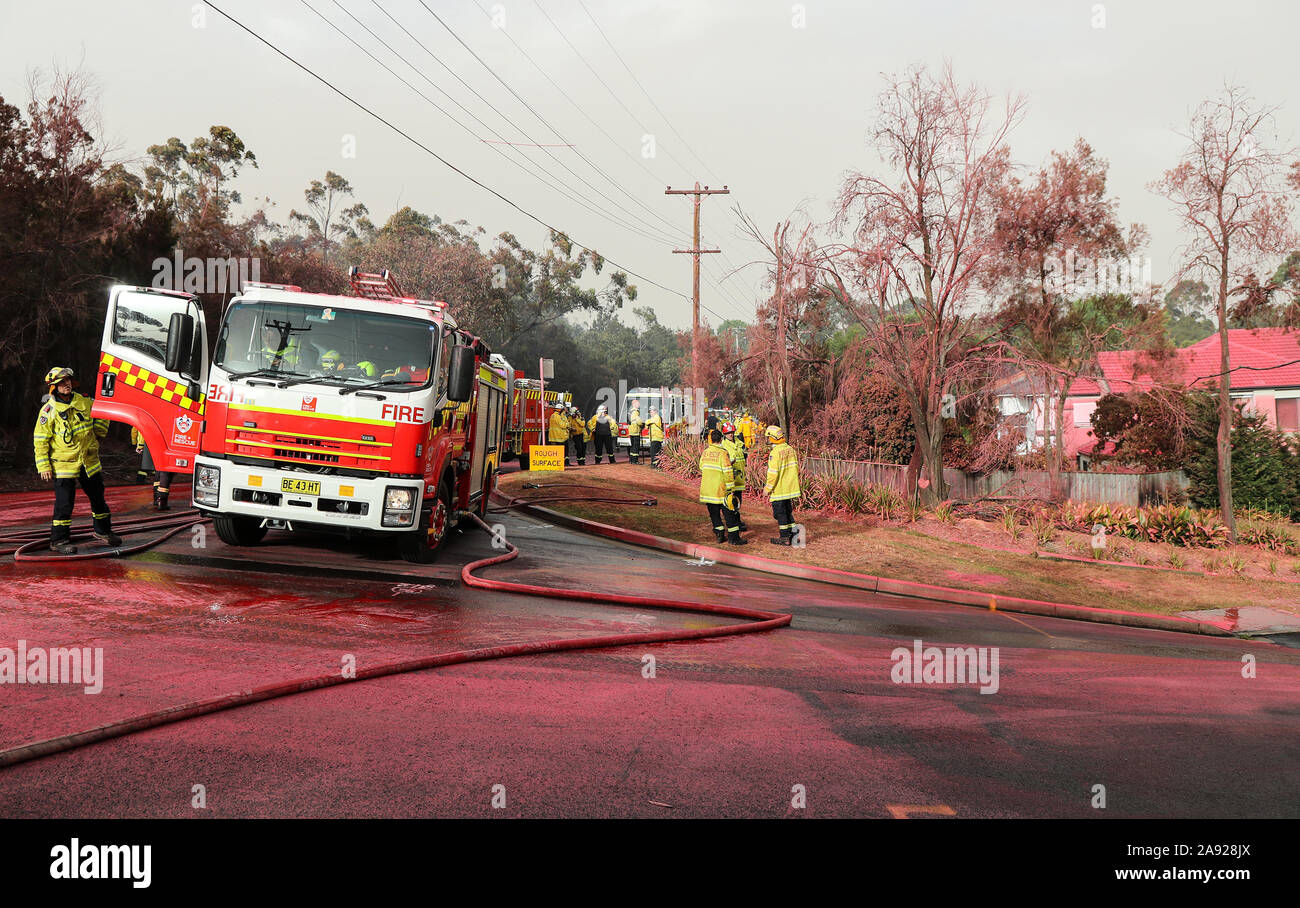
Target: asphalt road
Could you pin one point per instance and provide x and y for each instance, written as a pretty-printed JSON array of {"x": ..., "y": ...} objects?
[{"x": 735, "y": 727}]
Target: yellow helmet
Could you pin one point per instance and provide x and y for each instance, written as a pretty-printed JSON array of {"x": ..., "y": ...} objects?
[
  {"x": 774, "y": 433},
  {"x": 331, "y": 359},
  {"x": 57, "y": 374},
  {"x": 367, "y": 367}
]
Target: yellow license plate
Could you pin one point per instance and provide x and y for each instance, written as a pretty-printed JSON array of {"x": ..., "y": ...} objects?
[{"x": 300, "y": 486}]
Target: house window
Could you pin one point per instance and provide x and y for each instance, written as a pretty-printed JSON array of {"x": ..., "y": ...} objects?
[
  {"x": 1288, "y": 414},
  {"x": 1083, "y": 413}
]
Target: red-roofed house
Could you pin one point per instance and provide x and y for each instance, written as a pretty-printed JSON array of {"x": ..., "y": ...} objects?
[{"x": 1265, "y": 364}]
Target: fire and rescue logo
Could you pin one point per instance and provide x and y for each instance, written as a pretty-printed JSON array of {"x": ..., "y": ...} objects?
[
  {"x": 186, "y": 432},
  {"x": 309, "y": 404}
]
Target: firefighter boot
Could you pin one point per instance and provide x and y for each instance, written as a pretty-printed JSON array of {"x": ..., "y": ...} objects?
[
  {"x": 103, "y": 531},
  {"x": 63, "y": 546},
  {"x": 733, "y": 537},
  {"x": 160, "y": 499},
  {"x": 783, "y": 540}
]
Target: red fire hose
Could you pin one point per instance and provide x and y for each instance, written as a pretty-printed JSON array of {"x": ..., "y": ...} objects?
[{"x": 755, "y": 620}]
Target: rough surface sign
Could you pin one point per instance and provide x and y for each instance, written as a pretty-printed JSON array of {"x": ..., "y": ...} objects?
[{"x": 546, "y": 457}]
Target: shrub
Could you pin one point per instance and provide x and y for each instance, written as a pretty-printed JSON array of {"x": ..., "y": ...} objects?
[
  {"x": 1011, "y": 522},
  {"x": 884, "y": 501},
  {"x": 944, "y": 512},
  {"x": 1043, "y": 527}
]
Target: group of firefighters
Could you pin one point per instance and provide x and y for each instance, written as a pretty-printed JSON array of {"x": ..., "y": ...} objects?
[
  {"x": 722, "y": 483},
  {"x": 722, "y": 464},
  {"x": 569, "y": 430}
]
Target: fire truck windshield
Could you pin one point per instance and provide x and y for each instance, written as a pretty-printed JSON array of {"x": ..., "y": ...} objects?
[{"x": 320, "y": 343}]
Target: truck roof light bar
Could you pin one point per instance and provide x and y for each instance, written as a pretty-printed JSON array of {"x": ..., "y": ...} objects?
[{"x": 261, "y": 285}]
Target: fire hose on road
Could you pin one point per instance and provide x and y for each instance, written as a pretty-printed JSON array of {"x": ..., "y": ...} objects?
[
  {"x": 31, "y": 541},
  {"x": 754, "y": 620}
]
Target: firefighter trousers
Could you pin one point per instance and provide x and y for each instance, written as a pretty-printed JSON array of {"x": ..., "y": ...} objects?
[
  {"x": 726, "y": 523},
  {"x": 634, "y": 449},
  {"x": 783, "y": 514},
  {"x": 604, "y": 444},
  {"x": 579, "y": 449},
  {"x": 65, "y": 493},
  {"x": 654, "y": 453}
]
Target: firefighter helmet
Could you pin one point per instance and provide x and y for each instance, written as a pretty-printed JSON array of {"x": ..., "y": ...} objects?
[
  {"x": 331, "y": 360},
  {"x": 774, "y": 433},
  {"x": 367, "y": 368},
  {"x": 728, "y": 428},
  {"x": 58, "y": 374}
]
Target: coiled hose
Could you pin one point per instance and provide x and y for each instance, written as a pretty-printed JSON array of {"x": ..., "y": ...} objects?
[{"x": 755, "y": 620}]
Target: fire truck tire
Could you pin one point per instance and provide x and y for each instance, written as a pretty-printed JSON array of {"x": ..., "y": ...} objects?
[
  {"x": 421, "y": 546},
  {"x": 235, "y": 529}
]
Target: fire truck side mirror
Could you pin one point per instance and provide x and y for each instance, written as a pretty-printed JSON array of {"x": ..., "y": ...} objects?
[
  {"x": 461, "y": 386},
  {"x": 180, "y": 343}
]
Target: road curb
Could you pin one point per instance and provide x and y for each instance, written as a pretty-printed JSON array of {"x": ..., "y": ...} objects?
[{"x": 871, "y": 583}]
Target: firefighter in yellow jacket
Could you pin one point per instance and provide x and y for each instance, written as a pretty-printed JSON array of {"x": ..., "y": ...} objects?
[
  {"x": 782, "y": 486},
  {"x": 578, "y": 435},
  {"x": 717, "y": 490},
  {"x": 656, "y": 426},
  {"x": 736, "y": 451},
  {"x": 66, "y": 442},
  {"x": 634, "y": 426},
  {"x": 557, "y": 430}
]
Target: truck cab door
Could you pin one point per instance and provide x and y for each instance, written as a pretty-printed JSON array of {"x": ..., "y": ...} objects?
[{"x": 135, "y": 385}]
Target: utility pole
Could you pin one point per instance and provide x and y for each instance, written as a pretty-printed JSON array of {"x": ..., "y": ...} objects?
[{"x": 695, "y": 252}]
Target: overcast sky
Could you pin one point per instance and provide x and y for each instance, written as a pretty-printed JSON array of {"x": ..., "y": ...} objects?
[{"x": 776, "y": 111}]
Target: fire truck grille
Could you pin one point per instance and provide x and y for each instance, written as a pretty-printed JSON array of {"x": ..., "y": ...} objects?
[
  {"x": 370, "y": 455},
  {"x": 310, "y": 456}
]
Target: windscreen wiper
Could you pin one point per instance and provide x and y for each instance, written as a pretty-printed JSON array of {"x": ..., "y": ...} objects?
[
  {"x": 306, "y": 378},
  {"x": 254, "y": 372},
  {"x": 379, "y": 384}
]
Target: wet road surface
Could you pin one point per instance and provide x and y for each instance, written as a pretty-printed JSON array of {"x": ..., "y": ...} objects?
[{"x": 728, "y": 727}]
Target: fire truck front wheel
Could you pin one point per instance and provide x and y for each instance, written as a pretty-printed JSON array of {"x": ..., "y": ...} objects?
[
  {"x": 421, "y": 546},
  {"x": 235, "y": 529}
]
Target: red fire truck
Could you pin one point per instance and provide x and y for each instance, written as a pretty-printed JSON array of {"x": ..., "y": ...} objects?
[
  {"x": 371, "y": 414},
  {"x": 530, "y": 412}
]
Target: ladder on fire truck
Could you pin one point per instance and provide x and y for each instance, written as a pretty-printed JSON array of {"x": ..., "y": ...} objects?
[{"x": 371, "y": 286}]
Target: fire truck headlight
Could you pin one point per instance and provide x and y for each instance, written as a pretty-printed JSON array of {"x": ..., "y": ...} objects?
[
  {"x": 398, "y": 499},
  {"x": 207, "y": 486},
  {"x": 399, "y": 507}
]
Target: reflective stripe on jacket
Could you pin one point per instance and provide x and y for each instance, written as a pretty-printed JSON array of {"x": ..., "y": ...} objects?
[
  {"x": 715, "y": 475},
  {"x": 782, "y": 473},
  {"x": 66, "y": 438}
]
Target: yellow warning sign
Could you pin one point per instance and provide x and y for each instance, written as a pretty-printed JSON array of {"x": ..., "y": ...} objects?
[{"x": 546, "y": 457}]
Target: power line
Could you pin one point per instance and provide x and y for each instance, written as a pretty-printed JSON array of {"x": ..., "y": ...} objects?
[
  {"x": 662, "y": 116},
  {"x": 562, "y": 190},
  {"x": 545, "y": 122},
  {"x": 612, "y": 93},
  {"x": 425, "y": 148},
  {"x": 578, "y": 107},
  {"x": 614, "y": 218}
]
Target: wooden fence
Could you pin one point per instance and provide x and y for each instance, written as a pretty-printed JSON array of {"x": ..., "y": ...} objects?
[{"x": 1132, "y": 489}]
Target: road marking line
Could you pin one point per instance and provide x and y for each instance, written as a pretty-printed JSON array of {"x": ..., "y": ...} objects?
[{"x": 1030, "y": 626}]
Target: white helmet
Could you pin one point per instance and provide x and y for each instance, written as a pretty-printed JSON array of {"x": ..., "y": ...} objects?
[{"x": 602, "y": 409}]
